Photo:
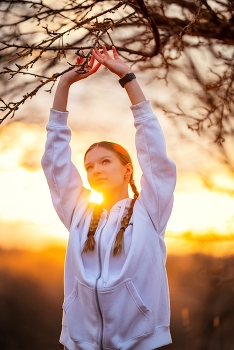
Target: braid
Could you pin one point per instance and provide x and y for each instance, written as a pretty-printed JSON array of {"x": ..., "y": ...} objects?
[
  {"x": 90, "y": 243},
  {"x": 125, "y": 221},
  {"x": 134, "y": 189}
]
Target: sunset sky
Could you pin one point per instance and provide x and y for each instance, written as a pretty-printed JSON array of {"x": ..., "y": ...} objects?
[{"x": 99, "y": 109}]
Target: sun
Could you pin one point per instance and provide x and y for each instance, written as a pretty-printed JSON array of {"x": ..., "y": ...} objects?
[{"x": 95, "y": 197}]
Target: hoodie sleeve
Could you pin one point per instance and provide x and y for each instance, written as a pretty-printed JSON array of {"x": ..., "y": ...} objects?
[
  {"x": 159, "y": 172},
  {"x": 64, "y": 181}
]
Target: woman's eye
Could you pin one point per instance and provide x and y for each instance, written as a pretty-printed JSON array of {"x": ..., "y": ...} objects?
[{"x": 105, "y": 161}]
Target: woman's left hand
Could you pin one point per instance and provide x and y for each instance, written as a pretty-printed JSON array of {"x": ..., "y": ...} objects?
[
  {"x": 72, "y": 76},
  {"x": 115, "y": 64}
]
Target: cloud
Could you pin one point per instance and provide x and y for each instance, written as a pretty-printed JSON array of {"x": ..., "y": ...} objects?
[
  {"x": 205, "y": 242},
  {"x": 21, "y": 145},
  {"x": 22, "y": 234}
]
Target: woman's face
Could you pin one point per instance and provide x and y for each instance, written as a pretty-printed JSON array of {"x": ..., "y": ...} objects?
[{"x": 105, "y": 171}]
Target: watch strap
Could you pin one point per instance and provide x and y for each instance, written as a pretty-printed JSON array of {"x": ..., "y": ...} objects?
[{"x": 128, "y": 77}]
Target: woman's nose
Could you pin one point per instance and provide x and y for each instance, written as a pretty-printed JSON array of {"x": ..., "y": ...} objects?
[{"x": 96, "y": 169}]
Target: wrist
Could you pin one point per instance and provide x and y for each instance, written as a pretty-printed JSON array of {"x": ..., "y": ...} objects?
[
  {"x": 126, "y": 79},
  {"x": 122, "y": 74},
  {"x": 64, "y": 82}
]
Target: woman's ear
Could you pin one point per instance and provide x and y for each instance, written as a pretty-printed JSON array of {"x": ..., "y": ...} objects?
[{"x": 128, "y": 171}]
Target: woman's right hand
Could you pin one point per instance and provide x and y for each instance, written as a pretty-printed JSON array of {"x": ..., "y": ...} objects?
[
  {"x": 72, "y": 77},
  {"x": 67, "y": 79}
]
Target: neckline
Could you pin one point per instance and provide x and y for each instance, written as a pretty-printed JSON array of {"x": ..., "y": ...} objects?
[{"x": 118, "y": 205}]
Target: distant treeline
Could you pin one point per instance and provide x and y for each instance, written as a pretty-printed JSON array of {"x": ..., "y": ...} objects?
[{"x": 31, "y": 295}]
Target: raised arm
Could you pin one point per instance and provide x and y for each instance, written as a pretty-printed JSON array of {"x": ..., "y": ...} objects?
[
  {"x": 118, "y": 67},
  {"x": 159, "y": 174},
  {"x": 64, "y": 181}
]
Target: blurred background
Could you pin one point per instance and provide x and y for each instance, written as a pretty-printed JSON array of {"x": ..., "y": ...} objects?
[
  {"x": 199, "y": 237},
  {"x": 200, "y": 232}
]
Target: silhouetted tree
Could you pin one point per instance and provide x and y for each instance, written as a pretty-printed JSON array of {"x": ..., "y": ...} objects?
[{"x": 188, "y": 43}]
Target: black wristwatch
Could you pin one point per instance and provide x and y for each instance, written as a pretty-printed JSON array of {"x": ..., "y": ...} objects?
[{"x": 128, "y": 77}]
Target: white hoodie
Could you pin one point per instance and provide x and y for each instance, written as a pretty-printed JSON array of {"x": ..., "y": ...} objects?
[{"x": 114, "y": 302}]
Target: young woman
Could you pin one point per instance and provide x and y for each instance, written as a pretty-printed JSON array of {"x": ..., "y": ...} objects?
[{"x": 116, "y": 291}]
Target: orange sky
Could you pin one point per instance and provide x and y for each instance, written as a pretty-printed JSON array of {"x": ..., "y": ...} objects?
[{"x": 27, "y": 218}]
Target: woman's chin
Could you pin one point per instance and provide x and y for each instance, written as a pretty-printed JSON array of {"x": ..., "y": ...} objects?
[{"x": 101, "y": 188}]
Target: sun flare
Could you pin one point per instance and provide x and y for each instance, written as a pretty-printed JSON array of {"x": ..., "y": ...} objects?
[{"x": 95, "y": 197}]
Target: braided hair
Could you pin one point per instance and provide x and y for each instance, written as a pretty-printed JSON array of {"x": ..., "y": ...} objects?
[
  {"x": 90, "y": 243},
  {"x": 124, "y": 158}
]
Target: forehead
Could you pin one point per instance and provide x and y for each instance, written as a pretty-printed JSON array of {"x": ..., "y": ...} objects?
[{"x": 98, "y": 152}]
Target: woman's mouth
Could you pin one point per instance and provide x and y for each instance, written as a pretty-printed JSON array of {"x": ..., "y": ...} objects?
[{"x": 99, "y": 180}]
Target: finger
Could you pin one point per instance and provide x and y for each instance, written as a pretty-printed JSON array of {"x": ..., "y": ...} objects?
[
  {"x": 79, "y": 60},
  {"x": 93, "y": 70},
  {"x": 96, "y": 67},
  {"x": 97, "y": 55},
  {"x": 105, "y": 51},
  {"x": 115, "y": 53}
]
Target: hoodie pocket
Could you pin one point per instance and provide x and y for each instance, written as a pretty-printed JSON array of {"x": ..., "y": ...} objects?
[
  {"x": 125, "y": 316},
  {"x": 81, "y": 313}
]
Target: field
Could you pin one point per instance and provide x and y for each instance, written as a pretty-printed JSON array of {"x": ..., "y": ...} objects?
[{"x": 31, "y": 295}]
